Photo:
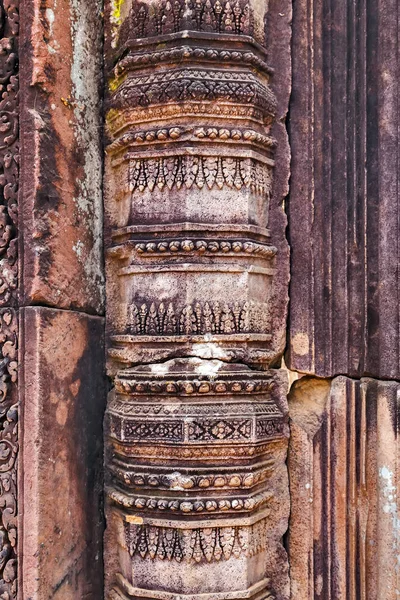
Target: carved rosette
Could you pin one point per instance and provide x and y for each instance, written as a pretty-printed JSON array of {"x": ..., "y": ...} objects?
[{"x": 196, "y": 438}]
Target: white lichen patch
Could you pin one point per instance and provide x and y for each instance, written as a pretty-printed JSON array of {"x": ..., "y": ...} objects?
[
  {"x": 159, "y": 369},
  {"x": 209, "y": 368},
  {"x": 389, "y": 493},
  {"x": 85, "y": 70},
  {"x": 209, "y": 350},
  {"x": 78, "y": 248}
]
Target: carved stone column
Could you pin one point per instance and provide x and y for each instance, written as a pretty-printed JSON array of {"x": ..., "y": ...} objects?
[{"x": 196, "y": 426}]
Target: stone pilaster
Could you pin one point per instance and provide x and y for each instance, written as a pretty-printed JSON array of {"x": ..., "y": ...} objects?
[{"x": 196, "y": 424}]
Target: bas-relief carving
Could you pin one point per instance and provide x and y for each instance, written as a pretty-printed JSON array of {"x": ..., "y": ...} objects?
[
  {"x": 165, "y": 17},
  {"x": 195, "y": 445},
  {"x": 9, "y": 150},
  {"x": 9, "y": 170},
  {"x": 8, "y": 453}
]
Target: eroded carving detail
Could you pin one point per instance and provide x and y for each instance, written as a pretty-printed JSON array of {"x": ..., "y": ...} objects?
[
  {"x": 183, "y": 85},
  {"x": 9, "y": 172},
  {"x": 213, "y": 317},
  {"x": 200, "y": 171},
  {"x": 9, "y": 150},
  {"x": 213, "y": 247},
  {"x": 204, "y": 505},
  {"x": 185, "y": 53},
  {"x": 166, "y": 17},
  {"x": 135, "y": 139},
  {"x": 202, "y": 544},
  {"x": 8, "y": 454},
  {"x": 194, "y": 438},
  {"x": 176, "y": 480}
]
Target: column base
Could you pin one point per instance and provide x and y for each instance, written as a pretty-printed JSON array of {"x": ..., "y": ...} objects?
[{"x": 125, "y": 591}]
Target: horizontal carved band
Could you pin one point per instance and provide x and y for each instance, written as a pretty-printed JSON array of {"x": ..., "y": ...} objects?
[
  {"x": 120, "y": 405},
  {"x": 195, "y": 545},
  {"x": 193, "y": 453},
  {"x": 126, "y": 591},
  {"x": 191, "y": 387},
  {"x": 186, "y": 506},
  {"x": 170, "y": 247},
  {"x": 166, "y": 17},
  {"x": 191, "y": 229},
  {"x": 199, "y": 171},
  {"x": 194, "y": 85},
  {"x": 191, "y": 134},
  {"x": 223, "y": 431},
  {"x": 210, "y": 317},
  {"x": 184, "y": 53},
  {"x": 139, "y": 477},
  {"x": 199, "y": 431}
]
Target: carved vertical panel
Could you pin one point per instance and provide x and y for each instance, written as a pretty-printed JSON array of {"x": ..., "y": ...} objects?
[
  {"x": 344, "y": 197},
  {"x": 9, "y": 171},
  {"x": 344, "y": 474},
  {"x": 196, "y": 424}
]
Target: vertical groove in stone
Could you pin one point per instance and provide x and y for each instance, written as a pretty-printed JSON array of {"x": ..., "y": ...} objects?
[
  {"x": 343, "y": 208},
  {"x": 343, "y": 470},
  {"x": 196, "y": 429}
]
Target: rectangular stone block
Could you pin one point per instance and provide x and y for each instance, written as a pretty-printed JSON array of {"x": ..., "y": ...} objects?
[
  {"x": 344, "y": 196},
  {"x": 62, "y": 399},
  {"x": 61, "y": 154},
  {"x": 344, "y": 478}
]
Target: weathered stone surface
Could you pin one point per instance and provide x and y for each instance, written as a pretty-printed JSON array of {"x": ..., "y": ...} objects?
[
  {"x": 9, "y": 451},
  {"x": 343, "y": 470},
  {"x": 9, "y": 151},
  {"x": 189, "y": 191},
  {"x": 197, "y": 497},
  {"x": 9, "y": 191},
  {"x": 61, "y": 144},
  {"x": 62, "y": 397},
  {"x": 197, "y": 482},
  {"x": 343, "y": 208},
  {"x": 278, "y": 34}
]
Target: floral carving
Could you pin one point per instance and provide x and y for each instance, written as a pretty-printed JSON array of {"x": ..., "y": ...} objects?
[
  {"x": 180, "y": 54},
  {"x": 9, "y": 172},
  {"x": 172, "y": 16},
  {"x": 188, "y": 84},
  {"x": 201, "y": 544},
  {"x": 212, "y": 504},
  {"x": 176, "y": 480},
  {"x": 216, "y": 247},
  {"x": 206, "y": 134},
  {"x": 8, "y": 453},
  {"x": 9, "y": 150},
  {"x": 198, "y": 319}
]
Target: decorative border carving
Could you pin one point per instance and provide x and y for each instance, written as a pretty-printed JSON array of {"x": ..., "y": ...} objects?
[
  {"x": 8, "y": 453},
  {"x": 195, "y": 545},
  {"x": 177, "y": 134},
  {"x": 188, "y": 84},
  {"x": 9, "y": 183},
  {"x": 185, "y": 410},
  {"x": 139, "y": 478},
  {"x": 9, "y": 150},
  {"x": 186, "y": 506},
  {"x": 200, "y": 171},
  {"x": 185, "y": 53},
  {"x": 220, "y": 247},
  {"x": 165, "y": 17},
  {"x": 191, "y": 387},
  {"x": 191, "y": 453},
  {"x": 117, "y": 120},
  {"x": 198, "y": 319}
]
